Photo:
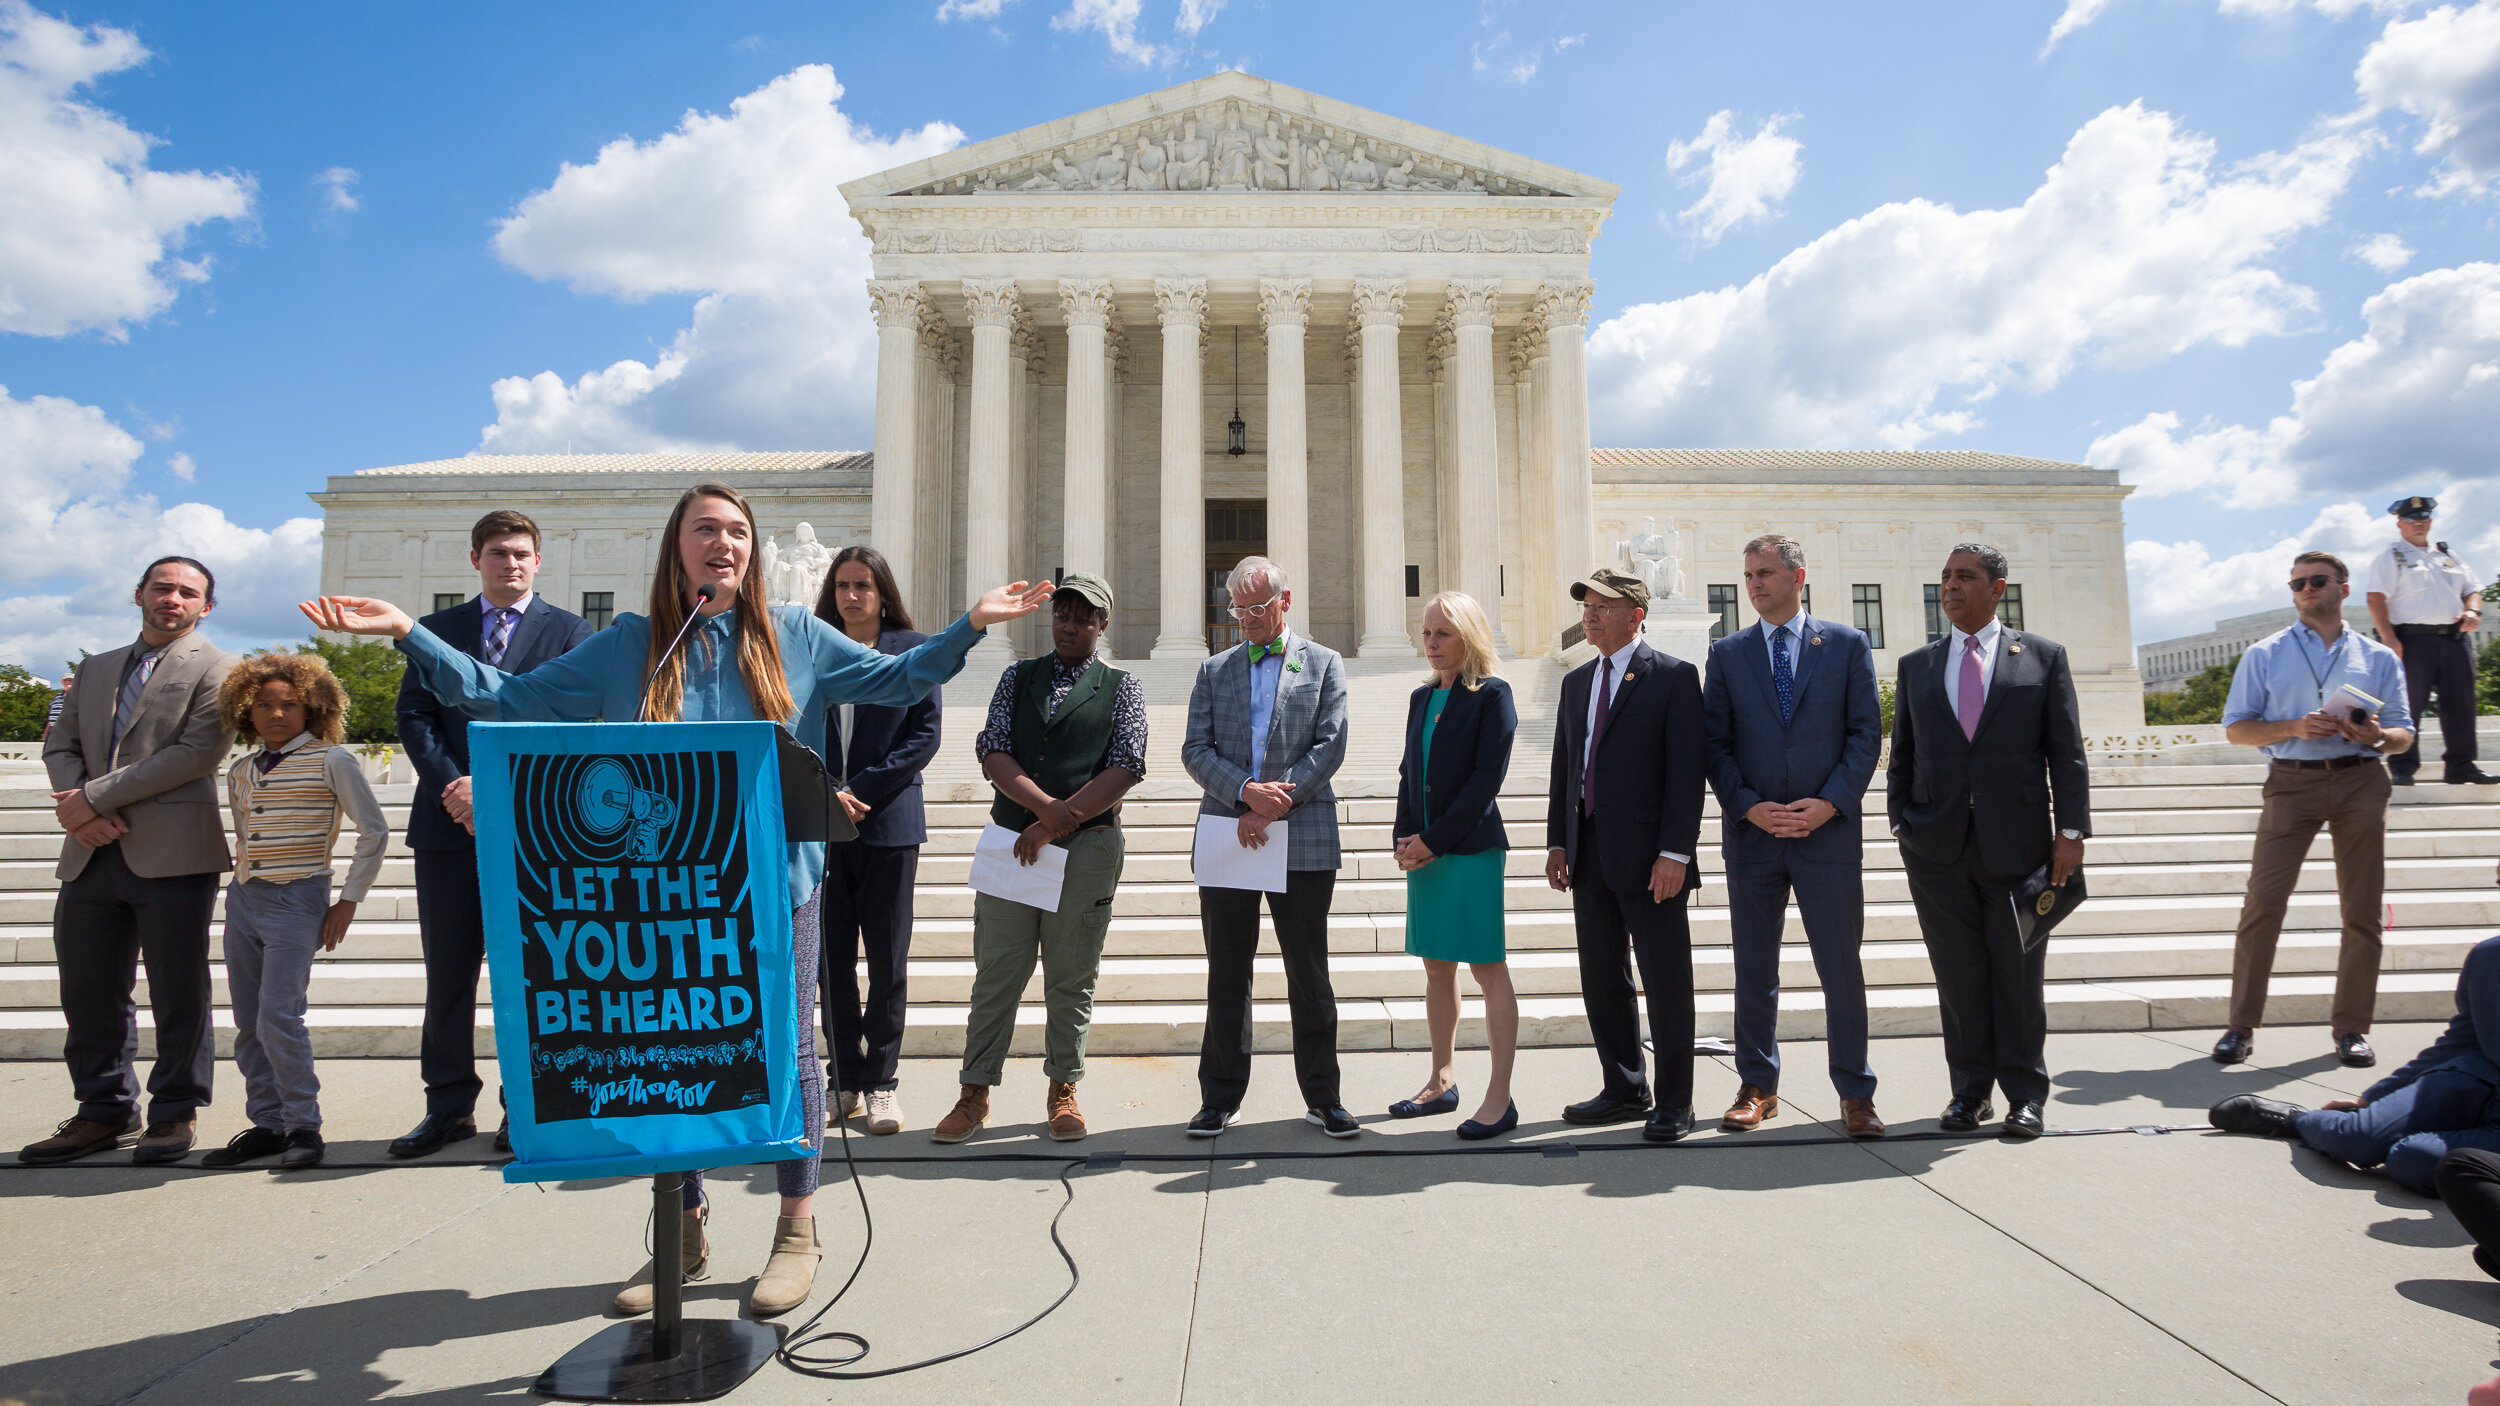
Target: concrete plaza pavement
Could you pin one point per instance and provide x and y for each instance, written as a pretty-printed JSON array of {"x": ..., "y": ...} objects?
[{"x": 2186, "y": 1267}]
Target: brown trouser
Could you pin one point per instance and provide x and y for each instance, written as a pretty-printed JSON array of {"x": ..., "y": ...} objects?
[{"x": 2352, "y": 803}]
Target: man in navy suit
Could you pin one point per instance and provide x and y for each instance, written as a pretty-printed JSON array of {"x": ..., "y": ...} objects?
[
  {"x": 510, "y": 627},
  {"x": 1622, "y": 825},
  {"x": 1987, "y": 785},
  {"x": 1794, "y": 729}
]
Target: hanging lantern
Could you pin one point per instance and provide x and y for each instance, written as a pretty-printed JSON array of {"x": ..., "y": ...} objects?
[{"x": 1238, "y": 442}]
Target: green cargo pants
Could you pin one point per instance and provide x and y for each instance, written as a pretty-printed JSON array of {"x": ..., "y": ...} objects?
[{"x": 1006, "y": 938}]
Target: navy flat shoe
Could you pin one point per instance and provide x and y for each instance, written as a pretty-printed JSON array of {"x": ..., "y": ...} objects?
[
  {"x": 1474, "y": 1131},
  {"x": 1409, "y": 1108}
]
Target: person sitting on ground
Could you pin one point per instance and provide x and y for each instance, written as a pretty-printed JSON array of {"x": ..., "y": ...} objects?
[{"x": 2446, "y": 1098}]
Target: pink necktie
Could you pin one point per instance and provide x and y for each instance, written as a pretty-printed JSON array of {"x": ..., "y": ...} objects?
[{"x": 1967, "y": 696}]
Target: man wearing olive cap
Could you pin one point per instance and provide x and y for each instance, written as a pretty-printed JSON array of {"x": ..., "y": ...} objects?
[
  {"x": 2427, "y": 605},
  {"x": 1065, "y": 740}
]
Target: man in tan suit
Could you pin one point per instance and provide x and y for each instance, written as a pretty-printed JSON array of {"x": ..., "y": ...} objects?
[{"x": 131, "y": 761}]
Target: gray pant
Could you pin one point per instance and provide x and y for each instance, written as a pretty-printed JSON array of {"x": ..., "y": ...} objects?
[
  {"x": 273, "y": 932},
  {"x": 1007, "y": 936}
]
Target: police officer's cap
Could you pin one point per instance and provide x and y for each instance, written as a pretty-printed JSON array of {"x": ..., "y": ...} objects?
[{"x": 2416, "y": 506}]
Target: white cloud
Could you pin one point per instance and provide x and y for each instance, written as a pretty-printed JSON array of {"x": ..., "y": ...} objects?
[
  {"x": 1521, "y": 69},
  {"x": 743, "y": 211},
  {"x": 88, "y": 231},
  {"x": 1894, "y": 326},
  {"x": 338, "y": 188},
  {"x": 2444, "y": 69},
  {"x": 2182, "y": 588},
  {"x": 2384, "y": 252},
  {"x": 953, "y": 10},
  {"x": 1748, "y": 176},
  {"x": 81, "y": 537},
  {"x": 1117, "y": 21},
  {"x": 1196, "y": 15},
  {"x": 1568, "y": 40},
  {"x": 2077, "y": 14},
  {"x": 183, "y": 467},
  {"x": 2415, "y": 397}
]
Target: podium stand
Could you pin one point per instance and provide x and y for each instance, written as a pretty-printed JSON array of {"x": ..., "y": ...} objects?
[{"x": 637, "y": 911}]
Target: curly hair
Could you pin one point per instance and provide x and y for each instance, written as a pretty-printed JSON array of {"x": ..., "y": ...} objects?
[{"x": 325, "y": 703}]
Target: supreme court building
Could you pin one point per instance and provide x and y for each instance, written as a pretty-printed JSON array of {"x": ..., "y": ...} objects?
[{"x": 1234, "y": 317}]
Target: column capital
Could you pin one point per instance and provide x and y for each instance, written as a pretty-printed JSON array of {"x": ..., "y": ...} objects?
[
  {"x": 1284, "y": 302},
  {"x": 1564, "y": 302},
  {"x": 1527, "y": 347},
  {"x": 1379, "y": 302},
  {"x": 1471, "y": 301},
  {"x": 1086, "y": 301},
  {"x": 1350, "y": 359},
  {"x": 896, "y": 301},
  {"x": 1181, "y": 302},
  {"x": 991, "y": 302}
]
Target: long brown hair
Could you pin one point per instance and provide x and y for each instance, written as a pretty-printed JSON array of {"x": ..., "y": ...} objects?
[
  {"x": 759, "y": 644},
  {"x": 891, "y": 614}
]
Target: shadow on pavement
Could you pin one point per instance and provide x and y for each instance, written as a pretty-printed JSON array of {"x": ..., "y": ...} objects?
[{"x": 2475, "y": 1299}]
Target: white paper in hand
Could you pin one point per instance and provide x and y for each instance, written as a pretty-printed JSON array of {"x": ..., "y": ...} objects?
[
  {"x": 996, "y": 871},
  {"x": 1221, "y": 861}
]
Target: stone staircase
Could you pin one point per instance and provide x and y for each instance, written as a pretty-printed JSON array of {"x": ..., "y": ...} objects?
[{"x": 2151, "y": 949}]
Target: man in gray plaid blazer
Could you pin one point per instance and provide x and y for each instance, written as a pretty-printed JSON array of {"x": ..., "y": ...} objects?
[{"x": 1267, "y": 725}]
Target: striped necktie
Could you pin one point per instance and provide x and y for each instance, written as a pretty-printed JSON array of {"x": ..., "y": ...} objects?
[
  {"x": 499, "y": 633},
  {"x": 127, "y": 702}
]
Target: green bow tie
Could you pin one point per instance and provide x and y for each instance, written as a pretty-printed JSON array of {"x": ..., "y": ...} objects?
[{"x": 1261, "y": 651}]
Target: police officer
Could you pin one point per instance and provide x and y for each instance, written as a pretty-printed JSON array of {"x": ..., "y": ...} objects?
[{"x": 2426, "y": 603}]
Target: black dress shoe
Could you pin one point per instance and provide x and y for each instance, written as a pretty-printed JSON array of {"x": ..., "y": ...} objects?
[
  {"x": 2471, "y": 776},
  {"x": 2483, "y": 1261},
  {"x": 303, "y": 1149},
  {"x": 1333, "y": 1120},
  {"x": 1668, "y": 1125},
  {"x": 2354, "y": 1050},
  {"x": 2023, "y": 1121},
  {"x": 1606, "y": 1108},
  {"x": 2247, "y": 1113},
  {"x": 248, "y": 1145},
  {"x": 503, "y": 1136},
  {"x": 1964, "y": 1115},
  {"x": 1211, "y": 1122},
  {"x": 2235, "y": 1046},
  {"x": 2404, "y": 780},
  {"x": 432, "y": 1134}
]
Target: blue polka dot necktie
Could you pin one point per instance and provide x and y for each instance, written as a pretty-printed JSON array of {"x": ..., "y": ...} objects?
[{"x": 1783, "y": 678}]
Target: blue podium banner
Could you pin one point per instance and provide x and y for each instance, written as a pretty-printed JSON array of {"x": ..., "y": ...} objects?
[{"x": 637, "y": 914}]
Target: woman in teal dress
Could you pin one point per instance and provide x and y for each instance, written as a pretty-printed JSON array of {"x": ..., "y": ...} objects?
[{"x": 1451, "y": 844}]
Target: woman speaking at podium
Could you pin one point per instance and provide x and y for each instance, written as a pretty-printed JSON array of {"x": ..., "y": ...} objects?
[{"x": 741, "y": 661}]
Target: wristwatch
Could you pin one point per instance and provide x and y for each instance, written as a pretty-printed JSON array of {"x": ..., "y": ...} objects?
[{"x": 2070, "y": 834}]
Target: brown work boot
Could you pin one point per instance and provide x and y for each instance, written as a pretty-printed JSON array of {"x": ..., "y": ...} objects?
[
  {"x": 694, "y": 1249},
  {"x": 168, "y": 1141},
  {"x": 1752, "y": 1105},
  {"x": 790, "y": 1275},
  {"x": 1858, "y": 1115},
  {"x": 1066, "y": 1123},
  {"x": 75, "y": 1138},
  {"x": 971, "y": 1110}
]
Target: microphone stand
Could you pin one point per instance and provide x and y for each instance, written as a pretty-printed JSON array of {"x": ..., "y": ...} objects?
[{"x": 702, "y": 597}]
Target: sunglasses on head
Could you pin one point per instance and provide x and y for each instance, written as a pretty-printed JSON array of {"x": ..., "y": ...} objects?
[{"x": 2311, "y": 583}]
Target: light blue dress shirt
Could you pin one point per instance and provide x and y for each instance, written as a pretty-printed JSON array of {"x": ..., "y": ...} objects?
[
  {"x": 600, "y": 679},
  {"x": 1796, "y": 636},
  {"x": 1265, "y": 677},
  {"x": 2291, "y": 674}
]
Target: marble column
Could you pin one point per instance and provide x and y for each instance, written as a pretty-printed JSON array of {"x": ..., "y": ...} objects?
[
  {"x": 1084, "y": 486},
  {"x": 893, "y": 490},
  {"x": 1379, "y": 306},
  {"x": 1115, "y": 357},
  {"x": 1479, "y": 474},
  {"x": 1181, "y": 627},
  {"x": 1024, "y": 382},
  {"x": 1439, "y": 352},
  {"x": 1540, "y": 602},
  {"x": 990, "y": 451},
  {"x": 1285, "y": 310},
  {"x": 1562, "y": 309},
  {"x": 931, "y": 582}
]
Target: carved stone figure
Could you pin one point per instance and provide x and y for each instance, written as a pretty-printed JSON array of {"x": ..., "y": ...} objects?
[
  {"x": 1359, "y": 172},
  {"x": 1189, "y": 168},
  {"x": 1273, "y": 170},
  {"x": 1146, "y": 172},
  {"x": 1111, "y": 172},
  {"x": 1650, "y": 556},
  {"x": 1233, "y": 146},
  {"x": 769, "y": 570},
  {"x": 1315, "y": 173},
  {"x": 803, "y": 568}
]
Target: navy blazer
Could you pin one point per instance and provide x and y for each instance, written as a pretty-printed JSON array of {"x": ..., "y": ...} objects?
[
  {"x": 1827, "y": 748},
  {"x": 1651, "y": 765},
  {"x": 1452, "y": 805},
  {"x": 889, "y": 747},
  {"x": 2007, "y": 789},
  {"x": 437, "y": 738}
]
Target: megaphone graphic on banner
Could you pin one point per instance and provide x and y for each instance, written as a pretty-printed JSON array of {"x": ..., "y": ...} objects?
[{"x": 608, "y": 801}]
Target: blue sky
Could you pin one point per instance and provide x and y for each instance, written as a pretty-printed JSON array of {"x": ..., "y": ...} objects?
[{"x": 2236, "y": 249}]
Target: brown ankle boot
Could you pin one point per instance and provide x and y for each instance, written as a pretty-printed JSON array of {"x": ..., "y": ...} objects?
[
  {"x": 970, "y": 1112},
  {"x": 790, "y": 1275},
  {"x": 1066, "y": 1123},
  {"x": 694, "y": 1249}
]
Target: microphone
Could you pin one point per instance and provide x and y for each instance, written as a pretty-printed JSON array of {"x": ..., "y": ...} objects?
[{"x": 702, "y": 596}]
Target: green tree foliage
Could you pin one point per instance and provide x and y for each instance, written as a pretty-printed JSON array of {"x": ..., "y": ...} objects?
[
  {"x": 2199, "y": 702},
  {"x": 2487, "y": 676},
  {"x": 1883, "y": 705},
  {"x": 369, "y": 671},
  {"x": 23, "y": 702}
]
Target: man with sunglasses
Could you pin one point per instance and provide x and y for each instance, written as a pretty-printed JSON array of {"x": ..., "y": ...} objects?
[
  {"x": 2426, "y": 604},
  {"x": 2300, "y": 695}
]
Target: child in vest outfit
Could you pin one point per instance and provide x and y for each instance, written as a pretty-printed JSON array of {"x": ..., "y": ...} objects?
[{"x": 287, "y": 799}]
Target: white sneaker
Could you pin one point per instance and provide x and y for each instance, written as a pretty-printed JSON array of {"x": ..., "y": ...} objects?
[
  {"x": 845, "y": 1105},
  {"x": 885, "y": 1113}
]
